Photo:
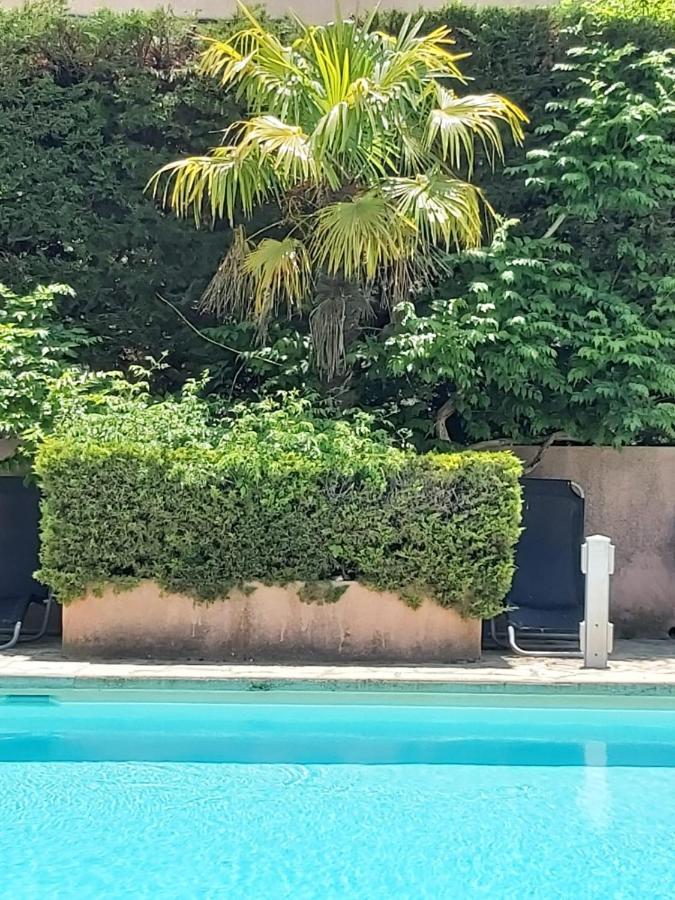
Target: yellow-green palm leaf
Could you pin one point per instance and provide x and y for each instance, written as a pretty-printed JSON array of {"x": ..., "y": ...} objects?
[
  {"x": 356, "y": 238},
  {"x": 286, "y": 147},
  {"x": 457, "y": 122},
  {"x": 278, "y": 270},
  {"x": 228, "y": 178},
  {"x": 443, "y": 209}
]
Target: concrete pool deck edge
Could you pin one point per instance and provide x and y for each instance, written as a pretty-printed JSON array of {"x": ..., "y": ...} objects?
[{"x": 637, "y": 668}]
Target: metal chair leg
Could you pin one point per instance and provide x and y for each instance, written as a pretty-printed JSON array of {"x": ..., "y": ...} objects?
[
  {"x": 45, "y": 622},
  {"x": 18, "y": 638},
  {"x": 564, "y": 654},
  {"x": 500, "y": 642},
  {"x": 14, "y": 638}
]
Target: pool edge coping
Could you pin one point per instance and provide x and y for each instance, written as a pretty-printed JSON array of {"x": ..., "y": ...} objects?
[{"x": 265, "y": 683}]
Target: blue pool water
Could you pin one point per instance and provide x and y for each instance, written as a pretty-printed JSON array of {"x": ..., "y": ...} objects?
[{"x": 316, "y": 800}]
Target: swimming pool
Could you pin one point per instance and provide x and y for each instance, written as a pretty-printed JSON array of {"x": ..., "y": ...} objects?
[{"x": 336, "y": 797}]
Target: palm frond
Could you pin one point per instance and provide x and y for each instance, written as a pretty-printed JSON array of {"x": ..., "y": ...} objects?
[
  {"x": 230, "y": 291},
  {"x": 354, "y": 239},
  {"x": 414, "y": 155},
  {"x": 268, "y": 74},
  {"x": 224, "y": 62},
  {"x": 279, "y": 271},
  {"x": 213, "y": 186},
  {"x": 459, "y": 121},
  {"x": 348, "y": 139},
  {"x": 244, "y": 53},
  {"x": 289, "y": 148},
  {"x": 338, "y": 55},
  {"x": 444, "y": 210},
  {"x": 413, "y": 58}
]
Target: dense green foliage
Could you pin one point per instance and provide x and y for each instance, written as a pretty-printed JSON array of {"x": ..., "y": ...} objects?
[
  {"x": 37, "y": 376},
  {"x": 657, "y": 12},
  {"x": 90, "y": 108},
  {"x": 87, "y": 108},
  {"x": 571, "y": 329},
  {"x": 32, "y": 351},
  {"x": 202, "y": 519},
  {"x": 42, "y": 390}
]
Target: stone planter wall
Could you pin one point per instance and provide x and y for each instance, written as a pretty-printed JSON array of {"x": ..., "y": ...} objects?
[
  {"x": 268, "y": 624},
  {"x": 630, "y": 497}
]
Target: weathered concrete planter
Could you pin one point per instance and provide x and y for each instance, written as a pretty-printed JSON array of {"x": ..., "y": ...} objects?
[{"x": 269, "y": 623}]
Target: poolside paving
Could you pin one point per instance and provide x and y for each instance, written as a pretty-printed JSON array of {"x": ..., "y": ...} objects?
[{"x": 645, "y": 666}]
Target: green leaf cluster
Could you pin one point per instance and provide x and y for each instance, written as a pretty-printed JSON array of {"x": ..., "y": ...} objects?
[
  {"x": 36, "y": 354},
  {"x": 42, "y": 390},
  {"x": 280, "y": 495}
]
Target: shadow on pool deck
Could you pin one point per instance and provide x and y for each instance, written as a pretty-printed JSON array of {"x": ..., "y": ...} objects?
[{"x": 650, "y": 664}]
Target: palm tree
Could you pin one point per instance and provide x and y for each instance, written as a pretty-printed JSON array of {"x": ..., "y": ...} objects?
[{"x": 368, "y": 152}]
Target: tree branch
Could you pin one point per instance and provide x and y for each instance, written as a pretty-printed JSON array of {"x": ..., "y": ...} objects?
[
  {"x": 539, "y": 455},
  {"x": 442, "y": 417},
  {"x": 555, "y": 226},
  {"x": 489, "y": 445},
  {"x": 210, "y": 340},
  {"x": 554, "y": 438}
]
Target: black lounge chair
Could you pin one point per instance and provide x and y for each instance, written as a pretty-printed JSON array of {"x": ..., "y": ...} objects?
[
  {"x": 546, "y": 601},
  {"x": 19, "y": 543}
]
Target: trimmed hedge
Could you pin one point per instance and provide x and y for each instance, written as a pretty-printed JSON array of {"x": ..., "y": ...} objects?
[
  {"x": 201, "y": 520},
  {"x": 89, "y": 108}
]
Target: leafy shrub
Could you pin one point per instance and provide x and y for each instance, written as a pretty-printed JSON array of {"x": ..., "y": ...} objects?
[
  {"x": 36, "y": 354},
  {"x": 128, "y": 411},
  {"x": 42, "y": 390},
  {"x": 659, "y": 12},
  {"x": 280, "y": 496},
  {"x": 568, "y": 326},
  {"x": 28, "y": 358}
]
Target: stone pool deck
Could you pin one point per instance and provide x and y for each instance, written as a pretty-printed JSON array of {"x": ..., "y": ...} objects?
[{"x": 645, "y": 667}]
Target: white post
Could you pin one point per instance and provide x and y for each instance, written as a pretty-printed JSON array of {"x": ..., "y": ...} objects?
[{"x": 596, "y": 634}]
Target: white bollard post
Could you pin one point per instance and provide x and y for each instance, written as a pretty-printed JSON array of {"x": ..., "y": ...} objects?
[{"x": 596, "y": 633}]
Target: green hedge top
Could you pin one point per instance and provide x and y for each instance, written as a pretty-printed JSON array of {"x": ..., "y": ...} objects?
[{"x": 320, "y": 504}]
